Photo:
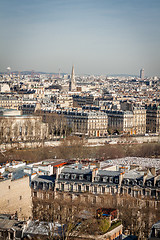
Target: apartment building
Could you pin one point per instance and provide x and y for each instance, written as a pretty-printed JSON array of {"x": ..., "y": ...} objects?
[
  {"x": 15, "y": 197},
  {"x": 139, "y": 120},
  {"x": 86, "y": 123},
  {"x": 153, "y": 119},
  {"x": 15, "y": 127},
  {"x": 135, "y": 183},
  {"x": 80, "y": 179},
  {"x": 120, "y": 121}
]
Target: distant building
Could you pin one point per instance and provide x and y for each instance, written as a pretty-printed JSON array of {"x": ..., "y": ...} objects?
[
  {"x": 155, "y": 232},
  {"x": 10, "y": 227},
  {"x": 153, "y": 119},
  {"x": 80, "y": 101},
  {"x": 72, "y": 83},
  {"x": 142, "y": 74},
  {"x": 15, "y": 127},
  {"x": 15, "y": 197},
  {"x": 86, "y": 123},
  {"x": 120, "y": 121},
  {"x": 28, "y": 109}
]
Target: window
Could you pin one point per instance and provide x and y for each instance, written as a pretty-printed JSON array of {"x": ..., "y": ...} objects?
[
  {"x": 87, "y": 188},
  {"x": 111, "y": 179},
  {"x": 80, "y": 177},
  {"x": 95, "y": 189},
  {"x": 20, "y": 131},
  {"x": 126, "y": 181},
  {"x": 67, "y": 176},
  {"x": 141, "y": 182},
  {"x": 62, "y": 187},
  {"x": 9, "y": 187},
  {"x": 79, "y": 188},
  {"x": 20, "y": 198},
  {"x": 96, "y": 178},
  {"x": 61, "y": 176},
  {"x": 35, "y": 194},
  {"x": 26, "y": 130},
  {"x": 149, "y": 184},
  {"x": 88, "y": 178},
  {"x": 116, "y": 180},
  {"x": 73, "y": 176},
  {"x": 105, "y": 179}
]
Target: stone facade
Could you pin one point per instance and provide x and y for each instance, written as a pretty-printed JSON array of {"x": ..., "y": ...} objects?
[
  {"x": 139, "y": 120},
  {"x": 15, "y": 197},
  {"x": 22, "y": 128},
  {"x": 120, "y": 121},
  {"x": 153, "y": 119},
  {"x": 97, "y": 181},
  {"x": 86, "y": 123},
  {"x": 130, "y": 122}
]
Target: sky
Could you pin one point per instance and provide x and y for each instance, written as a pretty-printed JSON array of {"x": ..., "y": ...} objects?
[{"x": 97, "y": 36}]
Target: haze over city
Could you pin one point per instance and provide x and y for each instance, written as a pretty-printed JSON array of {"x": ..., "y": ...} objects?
[{"x": 98, "y": 37}]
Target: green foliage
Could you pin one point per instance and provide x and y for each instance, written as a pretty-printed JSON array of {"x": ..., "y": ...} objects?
[{"x": 104, "y": 225}]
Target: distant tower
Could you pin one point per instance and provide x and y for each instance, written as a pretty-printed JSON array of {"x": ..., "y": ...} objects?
[
  {"x": 72, "y": 82},
  {"x": 142, "y": 74}
]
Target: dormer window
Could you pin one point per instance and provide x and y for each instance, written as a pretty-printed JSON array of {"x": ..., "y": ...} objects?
[
  {"x": 105, "y": 179},
  {"x": 111, "y": 179},
  {"x": 88, "y": 178},
  {"x": 149, "y": 184},
  {"x": 96, "y": 178},
  {"x": 126, "y": 181},
  {"x": 141, "y": 182},
  {"x": 67, "y": 176},
  {"x": 116, "y": 180},
  {"x": 132, "y": 182},
  {"x": 80, "y": 177},
  {"x": 73, "y": 176},
  {"x": 61, "y": 176}
]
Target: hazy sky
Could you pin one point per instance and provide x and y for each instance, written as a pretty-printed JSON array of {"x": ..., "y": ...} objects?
[{"x": 97, "y": 36}]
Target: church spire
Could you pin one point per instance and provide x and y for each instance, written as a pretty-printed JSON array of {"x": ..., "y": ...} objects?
[{"x": 72, "y": 84}]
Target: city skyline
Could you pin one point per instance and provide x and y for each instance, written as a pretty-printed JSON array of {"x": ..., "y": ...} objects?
[{"x": 98, "y": 37}]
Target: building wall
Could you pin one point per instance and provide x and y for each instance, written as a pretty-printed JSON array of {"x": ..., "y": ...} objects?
[
  {"x": 139, "y": 121},
  {"x": 22, "y": 128},
  {"x": 15, "y": 196},
  {"x": 153, "y": 121}
]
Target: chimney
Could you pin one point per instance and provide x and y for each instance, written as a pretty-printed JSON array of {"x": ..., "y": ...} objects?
[
  {"x": 153, "y": 171},
  {"x": 145, "y": 177},
  {"x": 94, "y": 173},
  {"x": 121, "y": 177},
  {"x": 59, "y": 169}
]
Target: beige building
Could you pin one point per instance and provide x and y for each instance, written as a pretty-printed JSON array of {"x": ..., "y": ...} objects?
[
  {"x": 14, "y": 102},
  {"x": 127, "y": 121},
  {"x": 15, "y": 197},
  {"x": 86, "y": 123},
  {"x": 120, "y": 121},
  {"x": 153, "y": 119},
  {"x": 64, "y": 101},
  {"x": 15, "y": 127},
  {"x": 10, "y": 102},
  {"x": 139, "y": 120}
]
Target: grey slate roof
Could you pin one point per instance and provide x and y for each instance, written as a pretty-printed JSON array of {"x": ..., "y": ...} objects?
[
  {"x": 157, "y": 225},
  {"x": 44, "y": 179},
  {"x": 133, "y": 175},
  {"x": 76, "y": 171},
  {"x": 108, "y": 173}
]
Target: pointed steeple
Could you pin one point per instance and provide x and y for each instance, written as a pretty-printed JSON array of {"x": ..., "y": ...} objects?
[{"x": 72, "y": 84}]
